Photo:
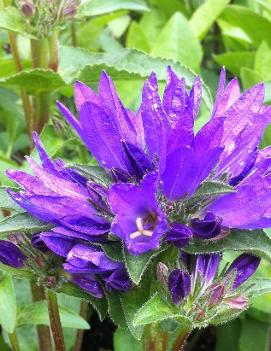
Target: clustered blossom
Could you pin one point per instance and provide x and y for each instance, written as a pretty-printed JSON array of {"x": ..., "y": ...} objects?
[
  {"x": 198, "y": 279},
  {"x": 157, "y": 168}
]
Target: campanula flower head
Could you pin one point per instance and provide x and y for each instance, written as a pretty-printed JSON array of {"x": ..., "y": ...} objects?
[
  {"x": 172, "y": 183},
  {"x": 160, "y": 183}
]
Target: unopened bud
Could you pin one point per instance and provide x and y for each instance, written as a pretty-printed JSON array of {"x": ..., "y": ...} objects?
[
  {"x": 162, "y": 274},
  {"x": 27, "y": 8},
  {"x": 238, "y": 303},
  {"x": 217, "y": 293}
]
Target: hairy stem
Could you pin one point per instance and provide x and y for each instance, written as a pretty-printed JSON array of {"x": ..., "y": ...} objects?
[
  {"x": 55, "y": 322},
  {"x": 41, "y": 101},
  {"x": 80, "y": 333},
  {"x": 14, "y": 341},
  {"x": 73, "y": 35},
  {"x": 44, "y": 335},
  {"x": 28, "y": 113},
  {"x": 53, "y": 52}
]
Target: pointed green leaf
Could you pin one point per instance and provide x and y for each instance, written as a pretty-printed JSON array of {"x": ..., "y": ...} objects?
[
  {"x": 113, "y": 250},
  {"x": 35, "y": 80},
  {"x": 20, "y": 273},
  {"x": 100, "y": 305},
  {"x": 234, "y": 61},
  {"x": 137, "y": 265},
  {"x": 37, "y": 314},
  {"x": 92, "y": 8},
  {"x": 242, "y": 22},
  {"x": 132, "y": 301},
  {"x": 258, "y": 287},
  {"x": 250, "y": 77},
  {"x": 22, "y": 222},
  {"x": 12, "y": 20},
  {"x": 205, "y": 15},
  {"x": 254, "y": 241},
  {"x": 115, "y": 310},
  {"x": 177, "y": 42},
  {"x": 8, "y": 306},
  {"x": 263, "y": 61},
  {"x": 94, "y": 173},
  {"x": 7, "y": 203},
  {"x": 125, "y": 64},
  {"x": 213, "y": 188},
  {"x": 156, "y": 310}
]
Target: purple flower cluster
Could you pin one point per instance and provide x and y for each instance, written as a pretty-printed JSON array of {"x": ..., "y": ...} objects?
[
  {"x": 198, "y": 278},
  {"x": 157, "y": 166}
]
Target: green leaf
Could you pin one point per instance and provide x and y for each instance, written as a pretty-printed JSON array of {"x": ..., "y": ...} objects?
[
  {"x": 8, "y": 306},
  {"x": 249, "y": 77},
  {"x": 241, "y": 22},
  {"x": 94, "y": 173},
  {"x": 205, "y": 15},
  {"x": 263, "y": 61},
  {"x": 37, "y": 314},
  {"x": 213, "y": 188},
  {"x": 137, "y": 265},
  {"x": 123, "y": 340},
  {"x": 100, "y": 305},
  {"x": 258, "y": 287},
  {"x": 96, "y": 7},
  {"x": 7, "y": 203},
  {"x": 136, "y": 38},
  {"x": 35, "y": 81},
  {"x": 131, "y": 302},
  {"x": 156, "y": 310},
  {"x": 177, "y": 42},
  {"x": 126, "y": 64},
  {"x": 254, "y": 241},
  {"x": 22, "y": 222},
  {"x": 253, "y": 335},
  {"x": 113, "y": 250},
  {"x": 115, "y": 310},
  {"x": 12, "y": 20},
  {"x": 234, "y": 61},
  {"x": 20, "y": 273}
]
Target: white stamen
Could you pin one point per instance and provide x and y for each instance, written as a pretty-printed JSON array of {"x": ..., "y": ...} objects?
[{"x": 141, "y": 230}]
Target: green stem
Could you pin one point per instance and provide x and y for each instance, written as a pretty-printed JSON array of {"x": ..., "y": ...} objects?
[
  {"x": 80, "y": 333},
  {"x": 55, "y": 322},
  {"x": 41, "y": 101},
  {"x": 44, "y": 335},
  {"x": 53, "y": 52},
  {"x": 14, "y": 341},
  {"x": 73, "y": 35},
  {"x": 28, "y": 114},
  {"x": 39, "y": 51},
  {"x": 156, "y": 338}
]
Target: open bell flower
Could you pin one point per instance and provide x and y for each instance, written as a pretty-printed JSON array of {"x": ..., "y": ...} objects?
[{"x": 160, "y": 139}]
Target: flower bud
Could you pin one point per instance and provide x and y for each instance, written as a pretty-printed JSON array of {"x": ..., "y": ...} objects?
[
  {"x": 11, "y": 255},
  {"x": 238, "y": 303},
  {"x": 243, "y": 266},
  {"x": 207, "y": 228},
  {"x": 162, "y": 274},
  {"x": 179, "y": 235},
  {"x": 27, "y": 8},
  {"x": 179, "y": 283},
  {"x": 217, "y": 293}
]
